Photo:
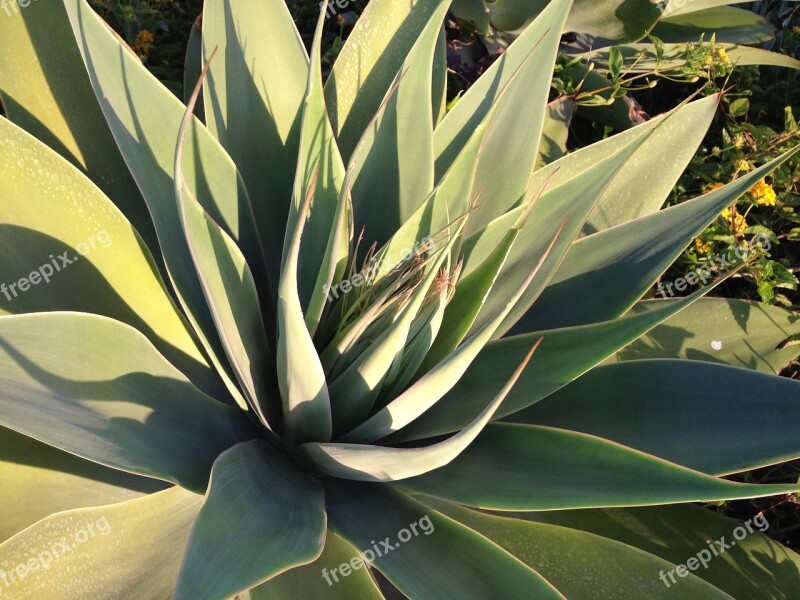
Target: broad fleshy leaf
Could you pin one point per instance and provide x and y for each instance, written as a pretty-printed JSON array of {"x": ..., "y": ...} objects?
[
  {"x": 529, "y": 467},
  {"x": 104, "y": 552},
  {"x": 261, "y": 516},
  {"x": 746, "y": 420},
  {"x": 425, "y": 566},
  {"x": 98, "y": 389}
]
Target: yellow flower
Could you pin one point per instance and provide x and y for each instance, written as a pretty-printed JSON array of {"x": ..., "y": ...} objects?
[
  {"x": 736, "y": 221},
  {"x": 713, "y": 186},
  {"x": 741, "y": 165},
  {"x": 702, "y": 246},
  {"x": 143, "y": 43},
  {"x": 763, "y": 194},
  {"x": 722, "y": 56}
]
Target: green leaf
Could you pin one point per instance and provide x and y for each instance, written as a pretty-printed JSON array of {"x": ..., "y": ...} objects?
[
  {"x": 261, "y": 516},
  {"x": 97, "y": 388},
  {"x": 228, "y": 286},
  {"x": 55, "y": 103},
  {"x": 719, "y": 330},
  {"x": 47, "y": 481},
  {"x": 310, "y": 581},
  {"x": 615, "y": 63},
  {"x": 253, "y": 99},
  {"x": 752, "y": 567},
  {"x": 620, "y": 20},
  {"x": 426, "y": 567},
  {"x": 145, "y": 119},
  {"x": 103, "y": 552},
  {"x": 363, "y": 73},
  {"x": 375, "y": 463},
  {"x": 605, "y": 274},
  {"x": 667, "y": 408},
  {"x": 726, "y": 23},
  {"x": 35, "y": 226},
  {"x": 662, "y": 158},
  {"x": 555, "y": 130},
  {"x": 564, "y": 356},
  {"x": 604, "y": 568},
  {"x": 319, "y": 179},
  {"x": 528, "y": 467},
  {"x": 568, "y": 204},
  {"x": 641, "y": 58},
  {"x": 301, "y": 378},
  {"x": 394, "y": 166},
  {"x": 474, "y": 12},
  {"x": 193, "y": 65},
  {"x": 355, "y": 390},
  {"x": 536, "y": 46},
  {"x": 675, "y": 8},
  {"x": 739, "y": 107}
]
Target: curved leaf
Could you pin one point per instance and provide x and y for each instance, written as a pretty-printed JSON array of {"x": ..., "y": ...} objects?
[
  {"x": 605, "y": 274},
  {"x": 97, "y": 388},
  {"x": 719, "y": 330},
  {"x": 374, "y": 463},
  {"x": 754, "y": 567},
  {"x": 260, "y": 517},
  {"x": 310, "y": 581},
  {"x": 713, "y": 418},
  {"x": 426, "y": 567},
  {"x": 104, "y": 552},
  {"x": 145, "y": 119},
  {"x": 598, "y": 567},
  {"x": 528, "y": 467},
  {"x": 41, "y": 234},
  {"x": 229, "y": 288},
  {"x": 41, "y": 480},
  {"x": 253, "y": 101},
  {"x": 54, "y": 101},
  {"x": 303, "y": 388}
]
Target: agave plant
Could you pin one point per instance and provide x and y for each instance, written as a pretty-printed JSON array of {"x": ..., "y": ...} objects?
[{"x": 331, "y": 333}]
